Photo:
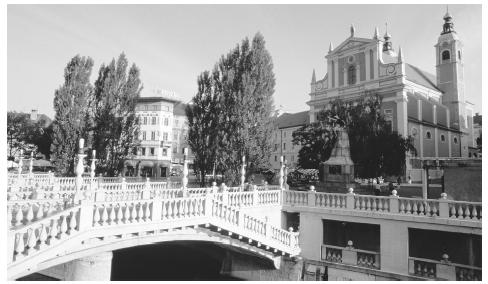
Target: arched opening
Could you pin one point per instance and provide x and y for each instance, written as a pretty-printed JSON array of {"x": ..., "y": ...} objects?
[
  {"x": 446, "y": 55},
  {"x": 351, "y": 75}
]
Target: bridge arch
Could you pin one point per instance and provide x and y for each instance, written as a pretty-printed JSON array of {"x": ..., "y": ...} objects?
[{"x": 92, "y": 245}]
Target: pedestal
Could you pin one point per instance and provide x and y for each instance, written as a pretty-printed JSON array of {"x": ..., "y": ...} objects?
[{"x": 92, "y": 268}]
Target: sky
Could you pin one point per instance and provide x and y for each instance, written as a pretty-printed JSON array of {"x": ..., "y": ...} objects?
[{"x": 173, "y": 44}]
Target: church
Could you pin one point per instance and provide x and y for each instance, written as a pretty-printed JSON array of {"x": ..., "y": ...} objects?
[{"x": 430, "y": 108}]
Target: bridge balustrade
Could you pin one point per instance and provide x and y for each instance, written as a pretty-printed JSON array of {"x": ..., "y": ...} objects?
[
  {"x": 442, "y": 270},
  {"x": 351, "y": 256}
]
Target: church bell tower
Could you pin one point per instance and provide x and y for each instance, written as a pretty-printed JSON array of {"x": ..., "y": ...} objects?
[{"x": 450, "y": 72}]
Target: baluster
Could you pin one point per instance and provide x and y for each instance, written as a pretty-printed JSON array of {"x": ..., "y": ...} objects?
[
  {"x": 104, "y": 216},
  {"x": 414, "y": 208},
  {"x": 96, "y": 217},
  {"x": 434, "y": 209},
  {"x": 19, "y": 245},
  {"x": 112, "y": 214},
  {"x": 164, "y": 211},
  {"x": 409, "y": 208},
  {"x": 368, "y": 203},
  {"x": 467, "y": 212},
  {"x": 147, "y": 212},
  {"x": 63, "y": 227},
  {"x": 453, "y": 210},
  {"x": 475, "y": 212},
  {"x": 133, "y": 213},
  {"x": 340, "y": 201},
  {"x": 30, "y": 214},
  {"x": 72, "y": 222},
  {"x": 421, "y": 209},
  {"x": 461, "y": 211},
  {"x": 170, "y": 209},
  {"x": 380, "y": 204},
  {"x": 42, "y": 236},
  {"x": 40, "y": 211},
  {"x": 373, "y": 206},
  {"x": 119, "y": 215},
  {"x": 19, "y": 216},
  {"x": 31, "y": 241},
  {"x": 402, "y": 206},
  {"x": 139, "y": 212}
]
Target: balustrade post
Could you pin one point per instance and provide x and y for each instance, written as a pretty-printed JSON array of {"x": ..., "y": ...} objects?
[
  {"x": 281, "y": 174},
  {"x": 51, "y": 177},
  {"x": 146, "y": 192},
  {"x": 214, "y": 188},
  {"x": 350, "y": 199},
  {"x": 79, "y": 172},
  {"x": 255, "y": 195},
  {"x": 208, "y": 205},
  {"x": 443, "y": 206},
  {"x": 394, "y": 202},
  {"x": 225, "y": 194},
  {"x": 292, "y": 237},
  {"x": 21, "y": 164},
  {"x": 267, "y": 227},
  {"x": 86, "y": 214},
  {"x": 11, "y": 246},
  {"x": 349, "y": 255},
  {"x": 92, "y": 167},
  {"x": 31, "y": 165},
  {"x": 243, "y": 172},
  {"x": 311, "y": 196},
  {"x": 445, "y": 270}
]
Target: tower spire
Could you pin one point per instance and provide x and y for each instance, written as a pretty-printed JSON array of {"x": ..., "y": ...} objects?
[
  {"x": 387, "y": 44},
  {"x": 353, "y": 30},
  {"x": 331, "y": 47},
  {"x": 448, "y": 26},
  {"x": 400, "y": 55},
  {"x": 313, "y": 77}
]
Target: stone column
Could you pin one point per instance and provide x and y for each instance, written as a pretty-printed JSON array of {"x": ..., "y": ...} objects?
[
  {"x": 336, "y": 73},
  {"x": 402, "y": 120},
  {"x": 394, "y": 247},
  {"x": 92, "y": 268},
  {"x": 367, "y": 64}
]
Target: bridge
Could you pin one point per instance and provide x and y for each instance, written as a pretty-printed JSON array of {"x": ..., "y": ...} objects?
[{"x": 59, "y": 220}]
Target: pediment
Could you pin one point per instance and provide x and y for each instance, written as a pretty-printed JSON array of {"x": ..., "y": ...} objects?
[{"x": 352, "y": 43}]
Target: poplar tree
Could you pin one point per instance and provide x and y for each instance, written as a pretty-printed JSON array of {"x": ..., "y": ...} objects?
[
  {"x": 115, "y": 134},
  {"x": 72, "y": 103}
]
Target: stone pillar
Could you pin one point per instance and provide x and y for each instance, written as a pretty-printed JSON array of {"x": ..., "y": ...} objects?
[
  {"x": 394, "y": 247},
  {"x": 311, "y": 197},
  {"x": 243, "y": 172},
  {"x": 92, "y": 268},
  {"x": 311, "y": 234},
  {"x": 281, "y": 173},
  {"x": 350, "y": 199},
  {"x": 79, "y": 172},
  {"x": 402, "y": 120},
  {"x": 21, "y": 163}
]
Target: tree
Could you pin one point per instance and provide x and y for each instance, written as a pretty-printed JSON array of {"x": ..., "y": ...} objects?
[
  {"x": 115, "y": 124},
  {"x": 203, "y": 122},
  {"x": 242, "y": 88},
  {"x": 72, "y": 103},
  {"x": 18, "y": 129},
  {"x": 374, "y": 148}
]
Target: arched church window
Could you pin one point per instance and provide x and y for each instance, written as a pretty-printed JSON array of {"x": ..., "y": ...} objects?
[
  {"x": 446, "y": 55},
  {"x": 351, "y": 75},
  {"x": 459, "y": 54}
]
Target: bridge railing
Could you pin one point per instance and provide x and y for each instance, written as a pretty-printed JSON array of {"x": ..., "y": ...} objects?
[
  {"x": 350, "y": 255},
  {"x": 435, "y": 208}
]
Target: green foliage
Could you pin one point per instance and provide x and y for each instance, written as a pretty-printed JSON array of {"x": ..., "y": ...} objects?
[
  {"x": 374, "y": 149},
  {"x": 72, "y": 102},
  {"x": 19, "y": 134},
  {"x": 240, "y": 93},
  {"x": 115, "y": 124}
]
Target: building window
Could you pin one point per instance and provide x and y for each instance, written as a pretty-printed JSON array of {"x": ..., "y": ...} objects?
[
  {"x": 284, "y": 146},
  {"x": 143, "y": 135},
  {"x": 153, "y": 120},
  {"x": 413, "y": 131},
  {"x": 443, "y": 138},
  {"x": 146, "y": 107},
  {"x": 276, "y": 147},
  {"x": 459, "y": 54},
  {"x": 145, "y": 120},
  {"x": 276, "y": 158},
  {"x": 151, "y": 150},
  {"x": 166, "y": 121},
  {"x": 351, "y": 75},
  {"x": 284, "y": 134},
  {"x": 446, "y": 55},
  {"x": 428, "y": 135},
  {"x": 153, "y": 135},
  {"x": 165, "y": 136},
  {"x": 455, "y": 140},
  {"x": 175, "y": 149},
  {"x": 165, "y": 151},
  {"x": 134, "y": 151},
  {"x": 143, "y": 151}
]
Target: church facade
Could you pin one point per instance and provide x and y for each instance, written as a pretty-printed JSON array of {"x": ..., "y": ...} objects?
[{"x": 430, "y": 108}]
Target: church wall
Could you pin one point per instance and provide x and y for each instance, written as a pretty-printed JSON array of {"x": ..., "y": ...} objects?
[
  {"x": 416, "y": 138},
  {"x": 412, "y": 107},
  {"x": 342, "y": 62},
  {"x": 427, "y": 111},
  {"x": 455, "y": 148},
  {"x": 441, "y": 116},
  {"x": 443, "y": 146},
  {"x": 428, "y": 143},
  {"x": 390, "y": 106}
]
